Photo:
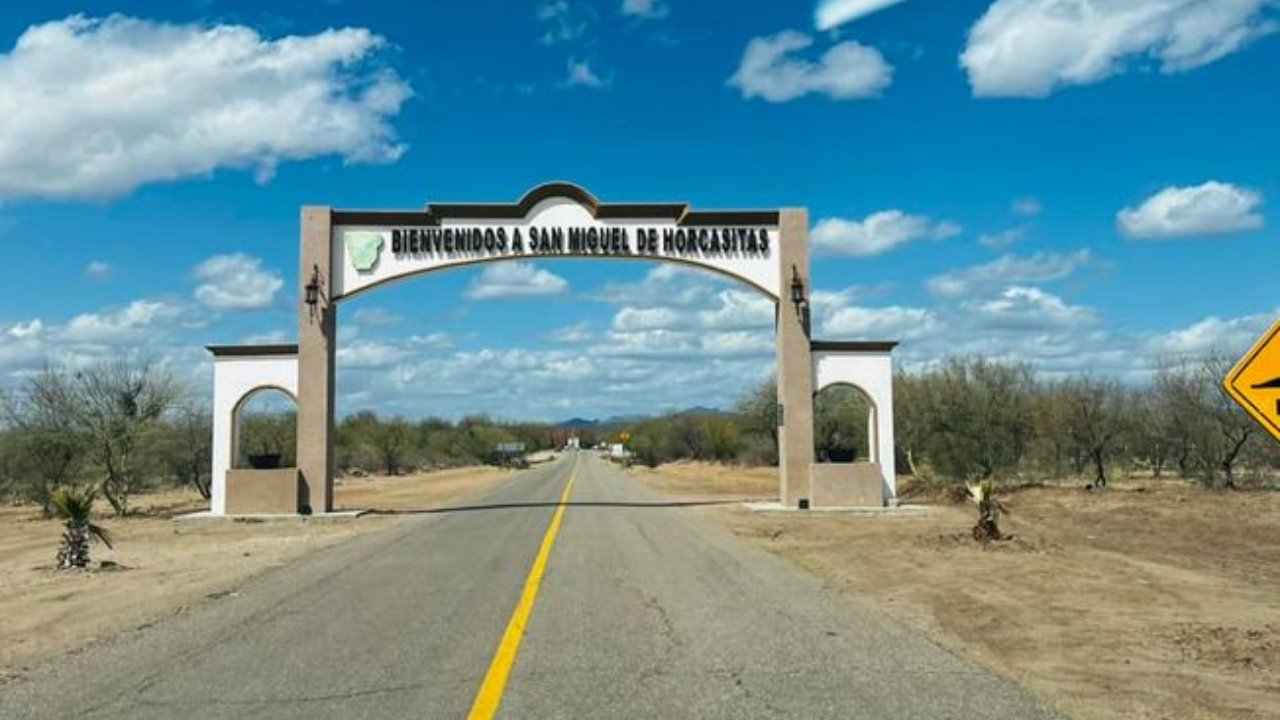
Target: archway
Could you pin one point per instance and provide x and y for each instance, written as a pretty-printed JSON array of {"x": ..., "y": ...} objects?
[
  {"x": 344, "y": 253},
  {"x": 844, "y": 425},
  {"x": 350, "y": 252},
  {"x": 239, "y": 373},
  {"x": 867, "y": 367},
  {"x": 264, "y": 429}
]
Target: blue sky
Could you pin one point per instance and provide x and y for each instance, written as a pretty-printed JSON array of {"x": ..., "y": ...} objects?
[{"x": 1086, "y": 185}]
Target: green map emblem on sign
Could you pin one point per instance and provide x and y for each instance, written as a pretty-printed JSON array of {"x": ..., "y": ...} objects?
[{"x": 363, "y": 246}]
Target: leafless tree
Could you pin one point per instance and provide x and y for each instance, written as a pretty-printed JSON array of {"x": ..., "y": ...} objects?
[
  {"x": 189, "y": 446},
  {"x": 49, "y": 445},
  {"x": 979, "y": 416},
  {"x": 1212, "y": 431},
  {"x": 118, "y": 404},
  {"x": 1095, "y": 412},
  {"x": 393, "y": 440}
]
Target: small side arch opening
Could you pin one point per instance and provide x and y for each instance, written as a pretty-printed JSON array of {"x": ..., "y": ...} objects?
[
  {"x": 844, "y": 425},
  {"x": 265, "y": 429}
]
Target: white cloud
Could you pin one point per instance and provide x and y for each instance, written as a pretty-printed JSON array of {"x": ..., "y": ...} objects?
[
  {"x": 685, "y": 345},
  {"x": 647, "y": 9},
  {"x": 1003, "y": 238},
  {"x": 1029, "y": 308},
  {"x": 877, "y": 233},
  {"x": 738, "y": 310},
  {"x": 571, "y": 334},
  {"x": 665, "y": 284},
  {"x": 271, "y": 337},
  {"x": 98, "y": 269},
  {"x": 834, "y": 13},
  {"x": 23, "y": 331},
  {"x": 119, "y": 326},
  {"x": 236, "y": 282},
  {"x": 581, "y": 75},
  {"x": 1026, "y": 207},
  {"x": 1212, "y": 334},
  {"x": 1213, "y": 208},
  {"x": 629, "y": 319},
  {"x": 433, "y": 341},
  {"x": 376, "y": 316},
  {"x": 370, "y": 354},
  {"x": 1030, "y": 48},
  {"x": 515, "y": 279},
  {"x": 825, "y": 303},
  {"x": 881, "y": 323},
  {"x": 727, "y": 310},
  {"x": 770, "y": 70},
  {"x": 565, "y": 21},
  {"x": 93, "y": 108},
  {"x": 1040, "y": 267}
]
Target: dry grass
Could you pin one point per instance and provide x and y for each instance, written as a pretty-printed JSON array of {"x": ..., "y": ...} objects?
[
  {"x": 1144, "y": 601},
  {"x": 704, "y": 481},
  {"x": 165, "y": 566}
]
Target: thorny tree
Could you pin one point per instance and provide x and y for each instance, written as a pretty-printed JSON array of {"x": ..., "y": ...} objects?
[
  {"x": 119, "y": 405},
  {"x": 42, "y": 416}
]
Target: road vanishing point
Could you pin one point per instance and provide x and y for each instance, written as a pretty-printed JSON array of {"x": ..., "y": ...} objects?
[{"x": 568, "y": 592}]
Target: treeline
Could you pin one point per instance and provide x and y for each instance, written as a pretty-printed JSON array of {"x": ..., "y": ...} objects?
[
  {"x": 120, "y": 427},
  {"x": 969, "y": 418},
  {"x": 975, "y": 419},
  {"x": 126, "y": 428}
]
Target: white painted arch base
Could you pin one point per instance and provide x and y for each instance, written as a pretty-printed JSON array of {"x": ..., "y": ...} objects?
[
  {"x": 240, "y": 371},
  {"x": 867, "y": 366}
]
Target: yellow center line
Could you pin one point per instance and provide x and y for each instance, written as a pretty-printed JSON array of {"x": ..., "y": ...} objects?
[{"x": 495, "y": 681}]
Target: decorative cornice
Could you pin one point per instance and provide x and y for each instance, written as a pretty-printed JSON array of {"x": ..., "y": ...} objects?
[
  {"x": 880, "y": 346},
  {"x": 251, "y": 350},
  {"x": 435, "y": 213}
]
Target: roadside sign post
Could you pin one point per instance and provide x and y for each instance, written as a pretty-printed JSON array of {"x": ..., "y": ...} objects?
[{"x": 1254, "y": 382}]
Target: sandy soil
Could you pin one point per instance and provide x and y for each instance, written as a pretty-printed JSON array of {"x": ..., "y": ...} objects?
[
  {"x": 1150, "y": 600},
  {"x": 705, "y": 481},
  {"x": 164, "y": 566}
]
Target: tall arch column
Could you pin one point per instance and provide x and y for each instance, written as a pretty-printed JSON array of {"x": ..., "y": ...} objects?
[
  {"x": 317, "y": 345},
  {"x": 795, "y": 368}
]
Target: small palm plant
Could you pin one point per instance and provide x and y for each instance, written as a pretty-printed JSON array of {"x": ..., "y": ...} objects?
[
  {"x": 75, "y": 508},
  {"x": 989, "y": 509}
]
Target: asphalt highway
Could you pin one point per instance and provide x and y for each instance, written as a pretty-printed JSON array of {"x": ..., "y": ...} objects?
[{"x": 569, "y": 592}]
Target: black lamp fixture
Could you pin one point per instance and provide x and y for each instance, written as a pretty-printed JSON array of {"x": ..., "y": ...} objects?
[
  {"x": 799, "y": 298},
  {"x": 797, "y": 289},
  {"x": 313, "y": 287}
]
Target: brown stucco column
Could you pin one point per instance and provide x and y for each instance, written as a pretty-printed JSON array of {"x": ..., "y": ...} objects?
[
  {"x": 316, "y": 347},
  {"x": 795, "y": 368}
]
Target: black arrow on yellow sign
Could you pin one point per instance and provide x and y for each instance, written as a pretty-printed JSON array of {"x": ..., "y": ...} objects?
[{"x": 1272, "y": 384}]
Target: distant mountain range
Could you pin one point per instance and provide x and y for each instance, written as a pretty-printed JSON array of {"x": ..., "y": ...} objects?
[{"x": 616, "y": 420}]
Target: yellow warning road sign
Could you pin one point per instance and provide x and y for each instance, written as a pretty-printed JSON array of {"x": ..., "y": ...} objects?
[{"x": 1255, "y": 381}]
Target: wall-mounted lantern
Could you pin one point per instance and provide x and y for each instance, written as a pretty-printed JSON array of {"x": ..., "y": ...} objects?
[{"x": 313, "y": 287}]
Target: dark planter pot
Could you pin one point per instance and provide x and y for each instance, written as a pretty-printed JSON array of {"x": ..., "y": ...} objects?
[
  {"x": 841, "y": 455},
  {"x": 265, "y": 461}
]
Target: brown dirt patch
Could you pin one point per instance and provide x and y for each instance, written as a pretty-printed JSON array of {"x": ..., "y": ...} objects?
[
  {"x": 162, "y": 566},
  {"x": 1144, "y": 601},
  {"x": 705, "y": 481}
]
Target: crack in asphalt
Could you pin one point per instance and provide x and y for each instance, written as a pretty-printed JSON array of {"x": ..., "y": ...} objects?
[
  {"x": 734, "y": 676},
  {"x": 666, "y": 631}
]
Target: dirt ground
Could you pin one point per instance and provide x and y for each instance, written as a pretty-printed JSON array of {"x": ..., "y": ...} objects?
[
  {"x": 164, "y": 566},
  {"x": 1148, "y": 600}
]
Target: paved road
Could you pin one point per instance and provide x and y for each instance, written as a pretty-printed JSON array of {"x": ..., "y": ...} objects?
[{"x": 645, "y": 610}]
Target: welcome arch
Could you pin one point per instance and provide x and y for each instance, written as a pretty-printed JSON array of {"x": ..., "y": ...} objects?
[{"x": 345, "y": 253}]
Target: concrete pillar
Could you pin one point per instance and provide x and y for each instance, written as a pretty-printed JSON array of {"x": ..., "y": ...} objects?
[
  {"x": 795, "y": 368},
  {"x": 316, "y": 347}
]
